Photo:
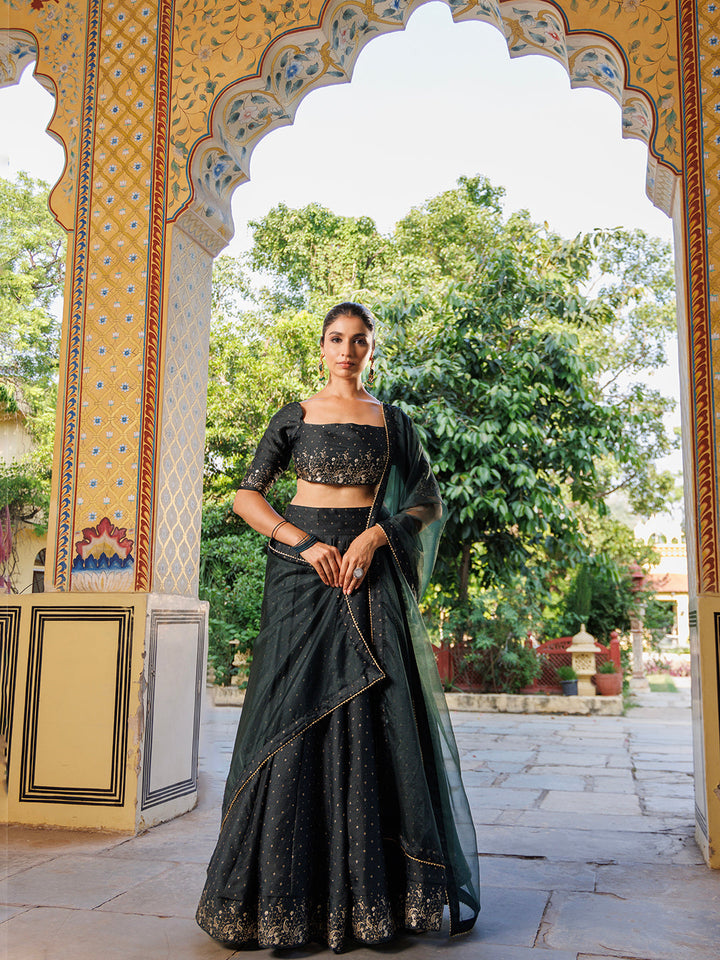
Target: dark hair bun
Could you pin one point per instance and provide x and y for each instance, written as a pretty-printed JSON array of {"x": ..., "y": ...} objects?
[{"x": 349, "y": 309}]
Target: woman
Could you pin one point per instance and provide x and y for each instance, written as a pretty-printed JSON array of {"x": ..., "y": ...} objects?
[{"x": 344, "y": 812}]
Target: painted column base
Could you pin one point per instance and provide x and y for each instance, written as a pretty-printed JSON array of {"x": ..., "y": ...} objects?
[
  {"x": 704, "y": 620},
  {"x": 100, "y": 706}
]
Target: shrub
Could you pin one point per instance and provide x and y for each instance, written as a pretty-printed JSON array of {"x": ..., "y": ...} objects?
[
  {"x": 607, "y": 666},
  {"x": 566, "y": 673},
  {"x": 232, "y": 571}
]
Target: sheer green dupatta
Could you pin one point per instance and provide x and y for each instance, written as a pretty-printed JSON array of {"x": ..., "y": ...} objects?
[{"x": 409, "y": 494}]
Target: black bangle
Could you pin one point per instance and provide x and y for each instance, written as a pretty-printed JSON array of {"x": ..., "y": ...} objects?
[
  {"x": 298, "y": 548},
  {"x": 277, "y": 527}
]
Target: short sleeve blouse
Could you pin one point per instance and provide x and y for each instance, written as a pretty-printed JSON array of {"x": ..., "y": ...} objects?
[{"x": 341, "y": 454}]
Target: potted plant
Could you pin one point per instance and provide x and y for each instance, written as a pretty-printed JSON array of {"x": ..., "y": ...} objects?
[
  {"x": 568, "y": 680},
  {"x": 608, "y": 680}
]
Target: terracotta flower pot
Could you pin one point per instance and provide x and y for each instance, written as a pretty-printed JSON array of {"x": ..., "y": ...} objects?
[{"x": 609, "y": 684}]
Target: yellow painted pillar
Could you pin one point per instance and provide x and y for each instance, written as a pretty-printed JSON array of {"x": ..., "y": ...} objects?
[{"x": 107, "y": 667}]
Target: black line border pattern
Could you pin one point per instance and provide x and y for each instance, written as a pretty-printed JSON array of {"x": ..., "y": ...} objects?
[
  {"x": 9, "y": 646},
  {"x": 148, "y": 797},
  {"x": 114, "y": 795}
]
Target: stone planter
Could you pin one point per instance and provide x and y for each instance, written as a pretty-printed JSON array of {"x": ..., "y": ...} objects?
[
  {"x": 569, "y": 688},
  {"x": 609, "y": 684}
]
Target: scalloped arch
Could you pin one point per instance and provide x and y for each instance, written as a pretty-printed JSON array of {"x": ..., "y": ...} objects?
[
  {"x": 18, "y": 49},
  {"x": 301, "y": 61}
]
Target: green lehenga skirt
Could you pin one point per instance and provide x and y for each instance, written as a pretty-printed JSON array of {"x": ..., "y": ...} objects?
[{"x": 340, "y": 815}]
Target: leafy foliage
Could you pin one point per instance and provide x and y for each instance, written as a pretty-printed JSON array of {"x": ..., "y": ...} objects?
[
  {"x": 522, "y": 357},
  {"x": 510, "y": 426},
  {"x": 658, "y": 620},
  {"x": 257, "y": 364},
  {"x": 232, "y": 570},
  {"x": 314, "y": 254},
  {"x": 32, "y": 261}
]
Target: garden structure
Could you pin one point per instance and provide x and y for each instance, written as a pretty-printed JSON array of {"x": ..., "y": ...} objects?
[{"x": 458, "y": 668}]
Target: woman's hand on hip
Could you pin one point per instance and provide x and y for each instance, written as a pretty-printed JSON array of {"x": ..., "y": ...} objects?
[
  {"x": 358, "y": 556},
  {"x": 327, "y": 562}
]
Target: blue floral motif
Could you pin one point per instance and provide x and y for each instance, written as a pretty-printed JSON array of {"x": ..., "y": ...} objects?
[
  {"x": 103, "y": 562},
  {"x": 609, "y": 73},
  {"x": 292, "y": 70}
]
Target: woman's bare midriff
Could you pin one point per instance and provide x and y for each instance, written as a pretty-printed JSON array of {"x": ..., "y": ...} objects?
[{"x": 328, "y": 495}]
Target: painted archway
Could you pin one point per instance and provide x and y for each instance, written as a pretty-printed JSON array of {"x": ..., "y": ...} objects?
[{"x": 159, "y": 105}]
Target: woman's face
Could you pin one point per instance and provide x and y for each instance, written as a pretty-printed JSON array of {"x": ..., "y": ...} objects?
[{"x": 347, "y": 347}]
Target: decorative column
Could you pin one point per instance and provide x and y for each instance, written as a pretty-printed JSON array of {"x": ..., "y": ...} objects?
[
  {"x": 638, "y": 681},
  {"x": 108, "y": 665}
]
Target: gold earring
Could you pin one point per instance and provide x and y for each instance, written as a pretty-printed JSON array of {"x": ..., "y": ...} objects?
[
  {"x": 321, "y": 368},
  {"x": 371, "y": 375}
]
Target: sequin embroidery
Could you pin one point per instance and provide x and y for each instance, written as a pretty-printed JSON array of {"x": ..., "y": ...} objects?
[{"x": 340, "y": 454}]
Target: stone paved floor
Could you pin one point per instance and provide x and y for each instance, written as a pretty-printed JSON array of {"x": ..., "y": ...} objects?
[{"x": 584, "y": 825}]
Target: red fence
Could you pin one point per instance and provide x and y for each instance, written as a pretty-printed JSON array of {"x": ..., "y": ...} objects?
[{"x": 456, "y": 667}]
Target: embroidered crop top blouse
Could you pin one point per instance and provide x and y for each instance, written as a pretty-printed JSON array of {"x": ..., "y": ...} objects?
[{"x": 340, "y": 454}]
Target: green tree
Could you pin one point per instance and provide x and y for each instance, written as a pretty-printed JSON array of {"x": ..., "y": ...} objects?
[
  {"x": 312, "y": 255},
  {"x": 232, "y": 568},
  {"x": 32, "y": 262},
  {"x": 613, "y": 289},
  {"x": 520, "y": 355},
  {"x": 256, "y": 365},
  {"x": 507, "y": 416}
]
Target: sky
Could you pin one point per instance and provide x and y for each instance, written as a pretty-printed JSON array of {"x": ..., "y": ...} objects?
[{"x": 425, "y": 106}]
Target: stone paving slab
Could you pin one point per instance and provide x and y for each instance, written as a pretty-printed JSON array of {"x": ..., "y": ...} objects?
[
  {"x": 663, "y": 776},
  {"x": 543, "y": 781},
  {"x": 511, "y": 917},
  {"x": 174, "y": 893},
  {"x": 493, "y": 756},
  {"x": 154, "y": 845},
  {"x": 623, "y": 783},
  {"x": 584, "y": 855},
  {"x": 676, "y": 766},
  {"x": 500, "y": 798},
  {"x": 81, "y": 882},
  {"x": 606, "y": 924},
  {"x": 581, "y": 845},
  {"x": 472, "y": 762},
  {"x": 588, "y": 821},
  {"x": 585, "y": 758},
  {"x": 665, "y": 882},
  {"x": 669, "y": 806},
  {"x": 619, "y": 804},
  {"x": 597, "y": 771},
  {"x": 546, "y": 875},
  {"x": 481, "y": 778},
  {"x": 654, "y": 788},
  {"x": 49, "y": 933},
  {"x": 45, "y": 844},
  {"x": 607, "y": 956},
  {"x": 7, "y": 912},
  {"x": 17, "y": 862}
]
